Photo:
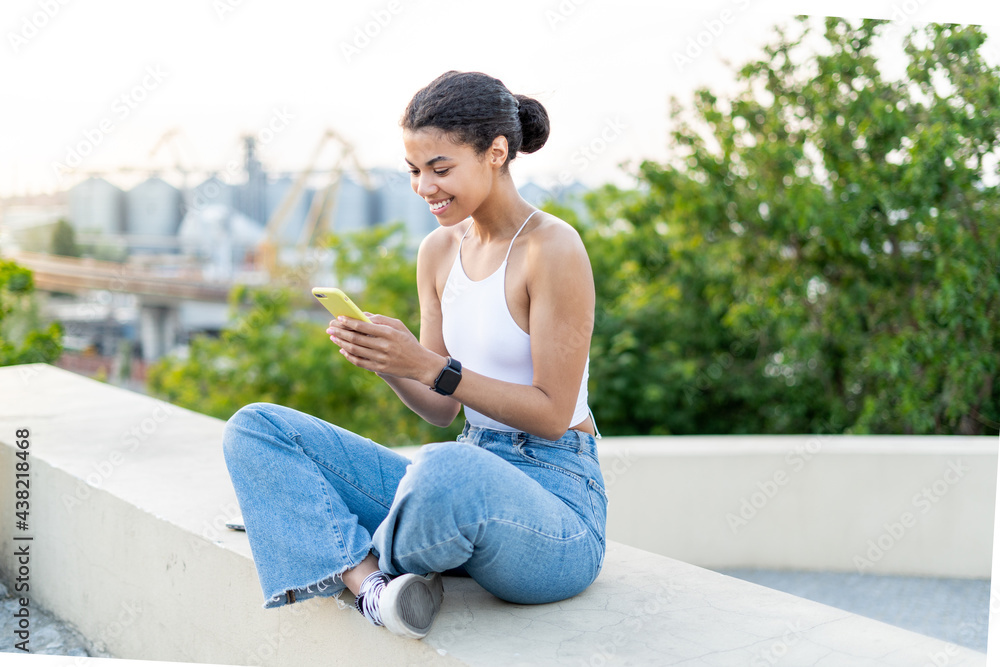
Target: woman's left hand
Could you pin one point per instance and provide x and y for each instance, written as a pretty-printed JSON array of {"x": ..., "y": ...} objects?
[{"x": 384, "y": 346}]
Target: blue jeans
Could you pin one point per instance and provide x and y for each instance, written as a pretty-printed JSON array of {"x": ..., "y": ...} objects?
[{"x": 523, "y": 516}]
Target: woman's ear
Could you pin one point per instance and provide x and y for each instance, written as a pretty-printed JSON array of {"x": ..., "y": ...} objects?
[{"x": 497, "y": 153}]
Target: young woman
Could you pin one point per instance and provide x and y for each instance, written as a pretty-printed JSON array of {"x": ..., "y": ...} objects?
[{"x": 507, "y": 310}]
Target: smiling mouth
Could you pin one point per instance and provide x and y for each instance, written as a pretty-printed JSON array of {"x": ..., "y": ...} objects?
[{"x": 441, "y": 204}]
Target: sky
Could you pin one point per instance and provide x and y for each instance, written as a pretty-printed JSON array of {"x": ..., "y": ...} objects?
[{"x": 92, "y": 86}]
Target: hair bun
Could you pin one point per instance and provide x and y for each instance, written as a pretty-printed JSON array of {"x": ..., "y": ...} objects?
[{"x": 534, "y": 123}]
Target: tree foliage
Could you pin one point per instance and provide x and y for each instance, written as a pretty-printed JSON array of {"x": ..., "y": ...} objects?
[
  {"x": 23, "y": 340},
  {"x": 276, "y": 349},
  {"x": 64, "y": 239},
  {"x": 822, "y": 255}
]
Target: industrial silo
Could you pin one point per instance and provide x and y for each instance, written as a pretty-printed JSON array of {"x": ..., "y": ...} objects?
[
  {"x": 221, "y": 236},
  {"x": 354, "y": 206},
  {"x": 396, "y": 201},
  {"x": 153, "y": 208},
  {"x": 211, "y": 191},
  {"x": 534, "y": 194},
  {"x": 96, "y": 206}
]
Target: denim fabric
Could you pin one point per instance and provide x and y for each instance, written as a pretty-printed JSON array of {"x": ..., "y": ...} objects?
[{"x": 522, "y": 515}]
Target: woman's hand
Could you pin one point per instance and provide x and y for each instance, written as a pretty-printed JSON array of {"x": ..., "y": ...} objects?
[{"x": 384, "y": 346}]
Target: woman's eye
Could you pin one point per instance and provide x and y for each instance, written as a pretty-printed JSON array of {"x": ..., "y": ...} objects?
[
  {"x": 414, "y": 172},
  {"x": 441, "y": 172}
]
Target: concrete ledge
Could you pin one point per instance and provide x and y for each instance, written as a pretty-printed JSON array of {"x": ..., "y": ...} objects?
[
  {"x": 138, "y": 560},
  {"x": 889, "y": 505}
]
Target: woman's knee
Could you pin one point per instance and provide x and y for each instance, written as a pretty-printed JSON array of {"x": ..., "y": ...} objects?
[
  {"x": 445, "y": 462},
  {"x": 242, "y": 426},
  {"x": 443, "y": 472}
]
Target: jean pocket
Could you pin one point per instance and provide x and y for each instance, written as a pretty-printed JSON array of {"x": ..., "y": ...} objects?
[
  {"x": 599, "y": 507},
  {"x": 558, "y": 459}
]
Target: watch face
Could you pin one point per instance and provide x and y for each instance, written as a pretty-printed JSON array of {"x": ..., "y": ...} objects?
[{"x": 449, "y": 380}]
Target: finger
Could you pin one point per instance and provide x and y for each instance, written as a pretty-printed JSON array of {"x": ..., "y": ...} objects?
[
  {"x": 357, "y": 325},
  {"x": 362, "y": 346},
  {"x": 387, "y": 322},
  {"x": 360, "y": 361},
  {"x": 343, "y": 329}
]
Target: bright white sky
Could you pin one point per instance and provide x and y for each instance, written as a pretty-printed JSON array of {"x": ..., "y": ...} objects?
[{"x": 229, "y": 67}]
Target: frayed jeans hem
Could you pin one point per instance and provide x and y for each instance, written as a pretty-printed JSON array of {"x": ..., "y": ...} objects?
[{"x": 330, "y": 586}]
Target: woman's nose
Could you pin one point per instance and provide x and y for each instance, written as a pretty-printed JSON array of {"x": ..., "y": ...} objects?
[{"x": 424, "y": 185}]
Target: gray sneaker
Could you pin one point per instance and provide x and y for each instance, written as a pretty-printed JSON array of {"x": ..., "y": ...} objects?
[{"x": 409, "y": 603}]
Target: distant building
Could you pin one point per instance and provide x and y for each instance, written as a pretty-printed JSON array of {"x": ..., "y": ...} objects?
[
  {"x": 97, "y": 206},
  {"x": 396, "y": 201},
  {"x": 355, "y": 206},
  {"x": 220, "y": 236},
  {"x": 213, "y": 190},
  {"x": 275, "y": 192},
  {"x": 153, "y": 208},
  {"x": 535, "y": 194},
  {"x": 251, "y": 197},
  {"x": 571, "y": 196}
]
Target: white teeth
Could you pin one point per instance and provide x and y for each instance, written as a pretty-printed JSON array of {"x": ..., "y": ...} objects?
[{"x": 440, "y": 205}]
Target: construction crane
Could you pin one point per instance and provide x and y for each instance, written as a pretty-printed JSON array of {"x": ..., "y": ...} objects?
[
  {"x": 320, "y": 210},
  {"x": 170, "y": 136}
]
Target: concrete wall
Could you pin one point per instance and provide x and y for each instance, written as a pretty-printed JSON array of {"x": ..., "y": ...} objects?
[
  {"x": 129, "y": 497},
  {"x": 870, "y": 504}
]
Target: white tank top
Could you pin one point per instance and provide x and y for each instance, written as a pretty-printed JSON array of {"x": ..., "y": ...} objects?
[{"x": 480, "y": 332}]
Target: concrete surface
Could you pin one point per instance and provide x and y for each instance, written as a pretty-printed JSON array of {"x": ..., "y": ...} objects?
[
  {"x": 49, "y": 635},
  {"x": 953, "y": 610},
  {"x": 128, "y": 501},
  {"x": 889, "y": 505}
]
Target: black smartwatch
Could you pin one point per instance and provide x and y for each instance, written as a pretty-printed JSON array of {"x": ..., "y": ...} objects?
[{"x": 447, "y": 380}]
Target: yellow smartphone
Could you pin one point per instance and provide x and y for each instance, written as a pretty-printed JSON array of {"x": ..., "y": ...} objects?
[{"x": 338, "y": 303}]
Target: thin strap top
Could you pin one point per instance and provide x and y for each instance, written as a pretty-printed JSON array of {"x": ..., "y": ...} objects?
[{"x": 480, "y": 332}]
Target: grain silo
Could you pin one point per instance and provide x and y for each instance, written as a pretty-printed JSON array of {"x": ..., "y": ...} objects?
[
  {"x": 153, "y": 208},
  {"x": 211, "y": 191},
  {"x": 219, "y": 235},
  {"x": 96, "y": 206},
  {"x": 534, "y": 194},
  {"x": 396, "y": 201}
]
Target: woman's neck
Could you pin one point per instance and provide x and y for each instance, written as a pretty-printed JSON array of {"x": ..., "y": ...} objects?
[{"x": 500, "y": 216}]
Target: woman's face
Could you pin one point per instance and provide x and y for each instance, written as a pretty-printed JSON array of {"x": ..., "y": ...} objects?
[{"x": 449, "y": 176}]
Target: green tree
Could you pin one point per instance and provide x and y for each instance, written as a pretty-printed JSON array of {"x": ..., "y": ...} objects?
[
  {"x": 22, "y": 338},
  {"x": 64, "y": 239},
  {"x": 276, "y": 349},
  {"x": 821, "y": 254}
]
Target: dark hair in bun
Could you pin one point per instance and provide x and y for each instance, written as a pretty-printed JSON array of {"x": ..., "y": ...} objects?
[{"x": 475, "y": 109}]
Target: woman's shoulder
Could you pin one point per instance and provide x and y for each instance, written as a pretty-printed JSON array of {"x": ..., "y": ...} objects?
[{"x": 553, "y": 235}]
